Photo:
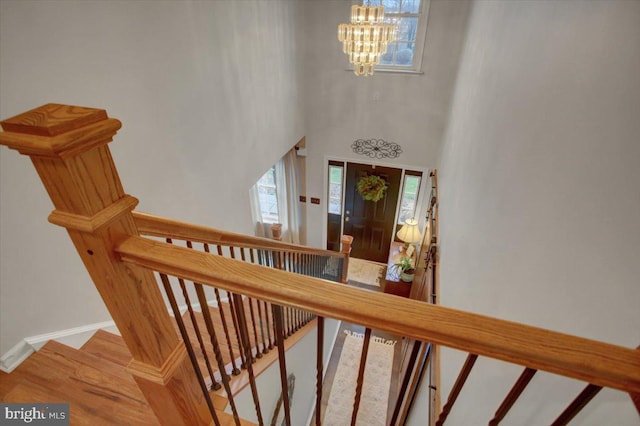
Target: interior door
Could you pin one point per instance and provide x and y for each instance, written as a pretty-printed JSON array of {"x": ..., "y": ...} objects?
[{"x": 370, "y": 223}]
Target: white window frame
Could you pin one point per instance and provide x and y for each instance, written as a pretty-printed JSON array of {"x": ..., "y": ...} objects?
[
  {"x": 421, "y": 35},
  {"x": 409, "y": 173}
]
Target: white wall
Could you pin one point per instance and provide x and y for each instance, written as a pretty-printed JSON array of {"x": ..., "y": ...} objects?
[
  {"x": 410, "y": 110},
  {"x": 209, "y": 96},
  {"x": 539, "y": 194}
]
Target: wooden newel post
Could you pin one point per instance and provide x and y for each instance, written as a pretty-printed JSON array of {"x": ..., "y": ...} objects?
[
  {"x": 346, "y": 241},
  {"x": 68, "y": 147}
]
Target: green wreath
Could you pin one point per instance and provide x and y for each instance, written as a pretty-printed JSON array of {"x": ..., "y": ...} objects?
[{"x": 371, "y": 188}]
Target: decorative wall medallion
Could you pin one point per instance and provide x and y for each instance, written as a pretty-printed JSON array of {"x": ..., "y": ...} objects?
[{"x": 376, "y": 148}]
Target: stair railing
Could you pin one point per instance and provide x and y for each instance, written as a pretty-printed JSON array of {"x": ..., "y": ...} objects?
[
  {"x": 295, "y": 258},
  {"x": 259, "y": 319},
  {"x": 68, "y": 148}
]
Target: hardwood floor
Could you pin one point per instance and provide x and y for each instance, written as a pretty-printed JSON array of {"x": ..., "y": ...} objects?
[{"x": 337, "y": 350}]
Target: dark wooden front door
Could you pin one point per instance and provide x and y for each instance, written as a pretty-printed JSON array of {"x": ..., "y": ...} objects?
[{"x": 370, "y": 223}]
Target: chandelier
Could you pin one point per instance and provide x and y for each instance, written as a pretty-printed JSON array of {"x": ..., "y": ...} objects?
[{"x": 366, "y": 38}]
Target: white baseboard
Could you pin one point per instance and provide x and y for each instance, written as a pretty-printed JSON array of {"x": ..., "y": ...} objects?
[
  {"x": 74, "y": 337},
  {"x": 14, "y": 356}
]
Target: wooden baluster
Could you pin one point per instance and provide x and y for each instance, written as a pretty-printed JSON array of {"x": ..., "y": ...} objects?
[
  {"x": 363, "y": 363},
  {"x": 235, "y": 370},
  {"x": 277, "y": 319},
  {"x": 315, "y": 266},
  {"x": 288, "y": 322},
  {"x": 347, "y": 241},
  {"x": 267, "y": 309},
  {"x": 262, "y": 326},
  {"x": 457, "y": 387},
  {"x": 296, "y": 263},
  {"x": 577, "y": 405},
  {"x": 233, "y": 310},
  {"x": 185, "y": 336},
  {"x": 215, "y": 385},
  {"x": 319, "y": 369},
  {"x": 513, "y": 395},
  {"x": 68, "y": 146},
  {"x": 196, "y": 328},
  {"x": 255, "y": 331},
  {"x": 208, "y": 321},
  {"x": 246, "y": 344},
  {"x": 305, "y": 264},
  {"x": 234, "y": 317}
]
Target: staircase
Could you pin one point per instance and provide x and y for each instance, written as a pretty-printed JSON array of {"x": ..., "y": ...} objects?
[
  {"x": 95, "y": 382},
  {"x": 124, "y": 253},
  {"x": 92, "y": 379}
]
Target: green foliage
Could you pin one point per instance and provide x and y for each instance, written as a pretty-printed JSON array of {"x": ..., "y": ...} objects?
[
  {"x": 371, "y": 187},
  {"x": 404, "y": 264}
]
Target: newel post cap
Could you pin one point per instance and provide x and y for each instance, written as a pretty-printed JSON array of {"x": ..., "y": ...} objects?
[{"x": 54, "y": 130}]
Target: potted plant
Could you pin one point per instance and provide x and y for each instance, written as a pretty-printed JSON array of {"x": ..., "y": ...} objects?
[{"x": 405, "y": 268}]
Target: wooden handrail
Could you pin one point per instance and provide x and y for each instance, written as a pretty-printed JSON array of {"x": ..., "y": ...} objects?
[
  {"x": 158, "y": 226},
  {"x": 592, "y": 361}
]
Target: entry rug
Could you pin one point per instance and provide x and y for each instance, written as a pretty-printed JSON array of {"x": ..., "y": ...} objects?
[
  {"x": 365, "y": 272},
  {"x": 375, "y": 387}
]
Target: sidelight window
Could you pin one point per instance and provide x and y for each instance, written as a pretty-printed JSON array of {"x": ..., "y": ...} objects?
[
  {"x": 410, "y": 191},
  {"x": 334, "y": 206}
]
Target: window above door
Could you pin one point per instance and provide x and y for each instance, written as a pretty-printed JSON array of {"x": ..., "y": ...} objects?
[{"x": 410, "y": 16}]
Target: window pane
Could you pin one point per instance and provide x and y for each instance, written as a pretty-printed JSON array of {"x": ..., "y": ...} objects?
[
  {"x": 409, "y": 199},
  {"x": 268, "y": 196},
  {"x": 390, "y": 6},
  {"x": 410, "y": 6},
  {"x": 387, "y": 58},
  {"x": 335, "y": 190},
  {"x": 407, "y": 28},
  {"x": 404, "y": 56}
]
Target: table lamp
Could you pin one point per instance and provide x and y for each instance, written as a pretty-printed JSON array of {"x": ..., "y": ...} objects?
[{"x": 409, "y": 233}]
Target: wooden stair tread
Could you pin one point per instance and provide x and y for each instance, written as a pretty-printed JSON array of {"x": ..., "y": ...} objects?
[
  {"x": 112, "y": 347},
  {"x": 108, "y": 346},
  {"x": 74, "y": 359},
  {"x": 98, "y": 391}
]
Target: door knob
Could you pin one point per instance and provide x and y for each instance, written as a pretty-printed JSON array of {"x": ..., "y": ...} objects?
[
  {"x": 347, "y": 212},
  {"x": 346, "y": 219}
]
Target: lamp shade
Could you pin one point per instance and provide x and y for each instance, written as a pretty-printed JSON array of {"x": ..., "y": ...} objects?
[{"x": 409, "y": 233}]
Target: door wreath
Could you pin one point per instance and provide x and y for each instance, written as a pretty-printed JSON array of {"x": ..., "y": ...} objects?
[{"x": 371, "y": 187}]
